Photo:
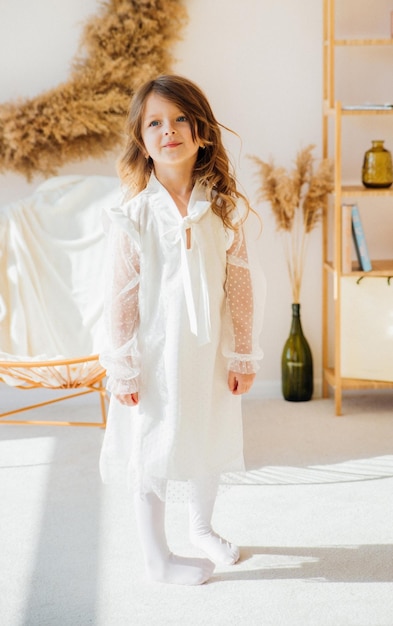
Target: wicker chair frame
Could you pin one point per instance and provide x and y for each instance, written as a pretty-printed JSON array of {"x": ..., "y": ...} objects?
[{"x": 84, "y": 374}]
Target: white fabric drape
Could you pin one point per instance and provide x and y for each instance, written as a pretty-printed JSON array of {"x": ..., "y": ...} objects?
[{"x": 52, "y": 248}]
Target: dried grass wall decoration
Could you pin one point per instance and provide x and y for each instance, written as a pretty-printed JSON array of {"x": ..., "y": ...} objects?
[{"x": 126, "y": 43}]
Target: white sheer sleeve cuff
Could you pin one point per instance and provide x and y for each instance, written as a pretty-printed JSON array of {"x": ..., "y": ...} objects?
[{"x": 243, "y": 367}]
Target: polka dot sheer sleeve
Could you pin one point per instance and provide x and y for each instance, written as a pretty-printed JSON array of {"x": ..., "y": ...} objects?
[
  {"x": 120, "y": 354},
  {"x": 245, "y": 289}
]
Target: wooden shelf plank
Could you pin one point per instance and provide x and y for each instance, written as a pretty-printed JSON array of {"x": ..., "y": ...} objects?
[
  {"x": 356, "y": 383},
  {"x": 349, "y": 112},
  {"x": 364, "y": 42},
  {"x": 382, "y": 268},
  {"x": 366, "y": 111},
  {"x": 360, "y": 190}
]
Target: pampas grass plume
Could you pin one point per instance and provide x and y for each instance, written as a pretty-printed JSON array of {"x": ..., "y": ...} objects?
[{"x": 298, "y": 200}]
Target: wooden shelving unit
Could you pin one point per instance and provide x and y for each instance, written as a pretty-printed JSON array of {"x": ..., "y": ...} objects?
[{"x": 335, "y": 113}]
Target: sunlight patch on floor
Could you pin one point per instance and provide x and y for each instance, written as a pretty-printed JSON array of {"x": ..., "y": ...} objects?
[{"x": 348, "y": 471}]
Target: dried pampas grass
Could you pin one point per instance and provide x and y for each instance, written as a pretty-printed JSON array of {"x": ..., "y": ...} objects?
[
  {"x": 298, "y": 200},
  {"x": 127, "y": 43}
]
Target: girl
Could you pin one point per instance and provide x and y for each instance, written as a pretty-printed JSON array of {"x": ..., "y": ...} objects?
[{"x": 182, "y": 322}]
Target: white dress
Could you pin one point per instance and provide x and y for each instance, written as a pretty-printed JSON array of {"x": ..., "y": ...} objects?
[{"x": 181, "y": 307}]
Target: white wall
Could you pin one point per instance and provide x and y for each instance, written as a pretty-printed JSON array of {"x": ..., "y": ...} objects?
[{"x": 259, "y": 62}]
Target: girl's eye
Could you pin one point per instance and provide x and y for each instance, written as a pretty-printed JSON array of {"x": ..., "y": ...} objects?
[
  {"x": 181, "y": 118},
  {"x": 154, "y": 123}
]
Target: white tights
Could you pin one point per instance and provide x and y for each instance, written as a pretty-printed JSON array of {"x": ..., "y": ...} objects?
[
  {"x": 163, "y": 566},
  {"x": 202, "y": 535}
]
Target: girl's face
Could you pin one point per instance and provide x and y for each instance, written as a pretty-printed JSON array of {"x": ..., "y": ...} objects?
[{"x": 166, "y": 134}]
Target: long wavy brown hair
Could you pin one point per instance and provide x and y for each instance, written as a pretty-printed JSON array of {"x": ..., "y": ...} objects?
[{"x": 212, "y": 167}]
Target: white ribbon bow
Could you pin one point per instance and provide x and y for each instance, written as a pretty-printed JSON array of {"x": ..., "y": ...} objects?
[{"x": 193, "y": 271}]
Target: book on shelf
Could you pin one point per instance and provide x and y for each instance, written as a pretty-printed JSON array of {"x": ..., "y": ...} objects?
[
  {"x": 360, "y": 240},
  {"x": 347, "y": 238}
]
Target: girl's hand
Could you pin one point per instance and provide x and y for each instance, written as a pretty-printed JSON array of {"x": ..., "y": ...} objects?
[
  {"x": 129, "y": 399},
  {"x": 240, "y": 383}
]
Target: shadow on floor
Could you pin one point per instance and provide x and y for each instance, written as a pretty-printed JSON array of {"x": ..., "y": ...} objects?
[
  {"x": 342, "y": 564},
  {"x": 64, "y": 563}
]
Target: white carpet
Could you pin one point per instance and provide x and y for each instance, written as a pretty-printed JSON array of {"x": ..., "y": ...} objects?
[{"x": 313, "y": 517}]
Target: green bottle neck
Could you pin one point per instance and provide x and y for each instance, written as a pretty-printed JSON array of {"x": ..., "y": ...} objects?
[{"x": 296, "y": 326}]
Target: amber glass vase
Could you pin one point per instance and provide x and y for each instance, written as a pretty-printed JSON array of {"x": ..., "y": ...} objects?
[
  {"x": 377, "y": 169},
  {"x": 296, "y": 363}
]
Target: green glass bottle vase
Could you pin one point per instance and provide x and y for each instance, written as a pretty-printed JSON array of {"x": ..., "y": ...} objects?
[
  {"x": 296, "y": 363},
  {"x": 377, "y": 171}
]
